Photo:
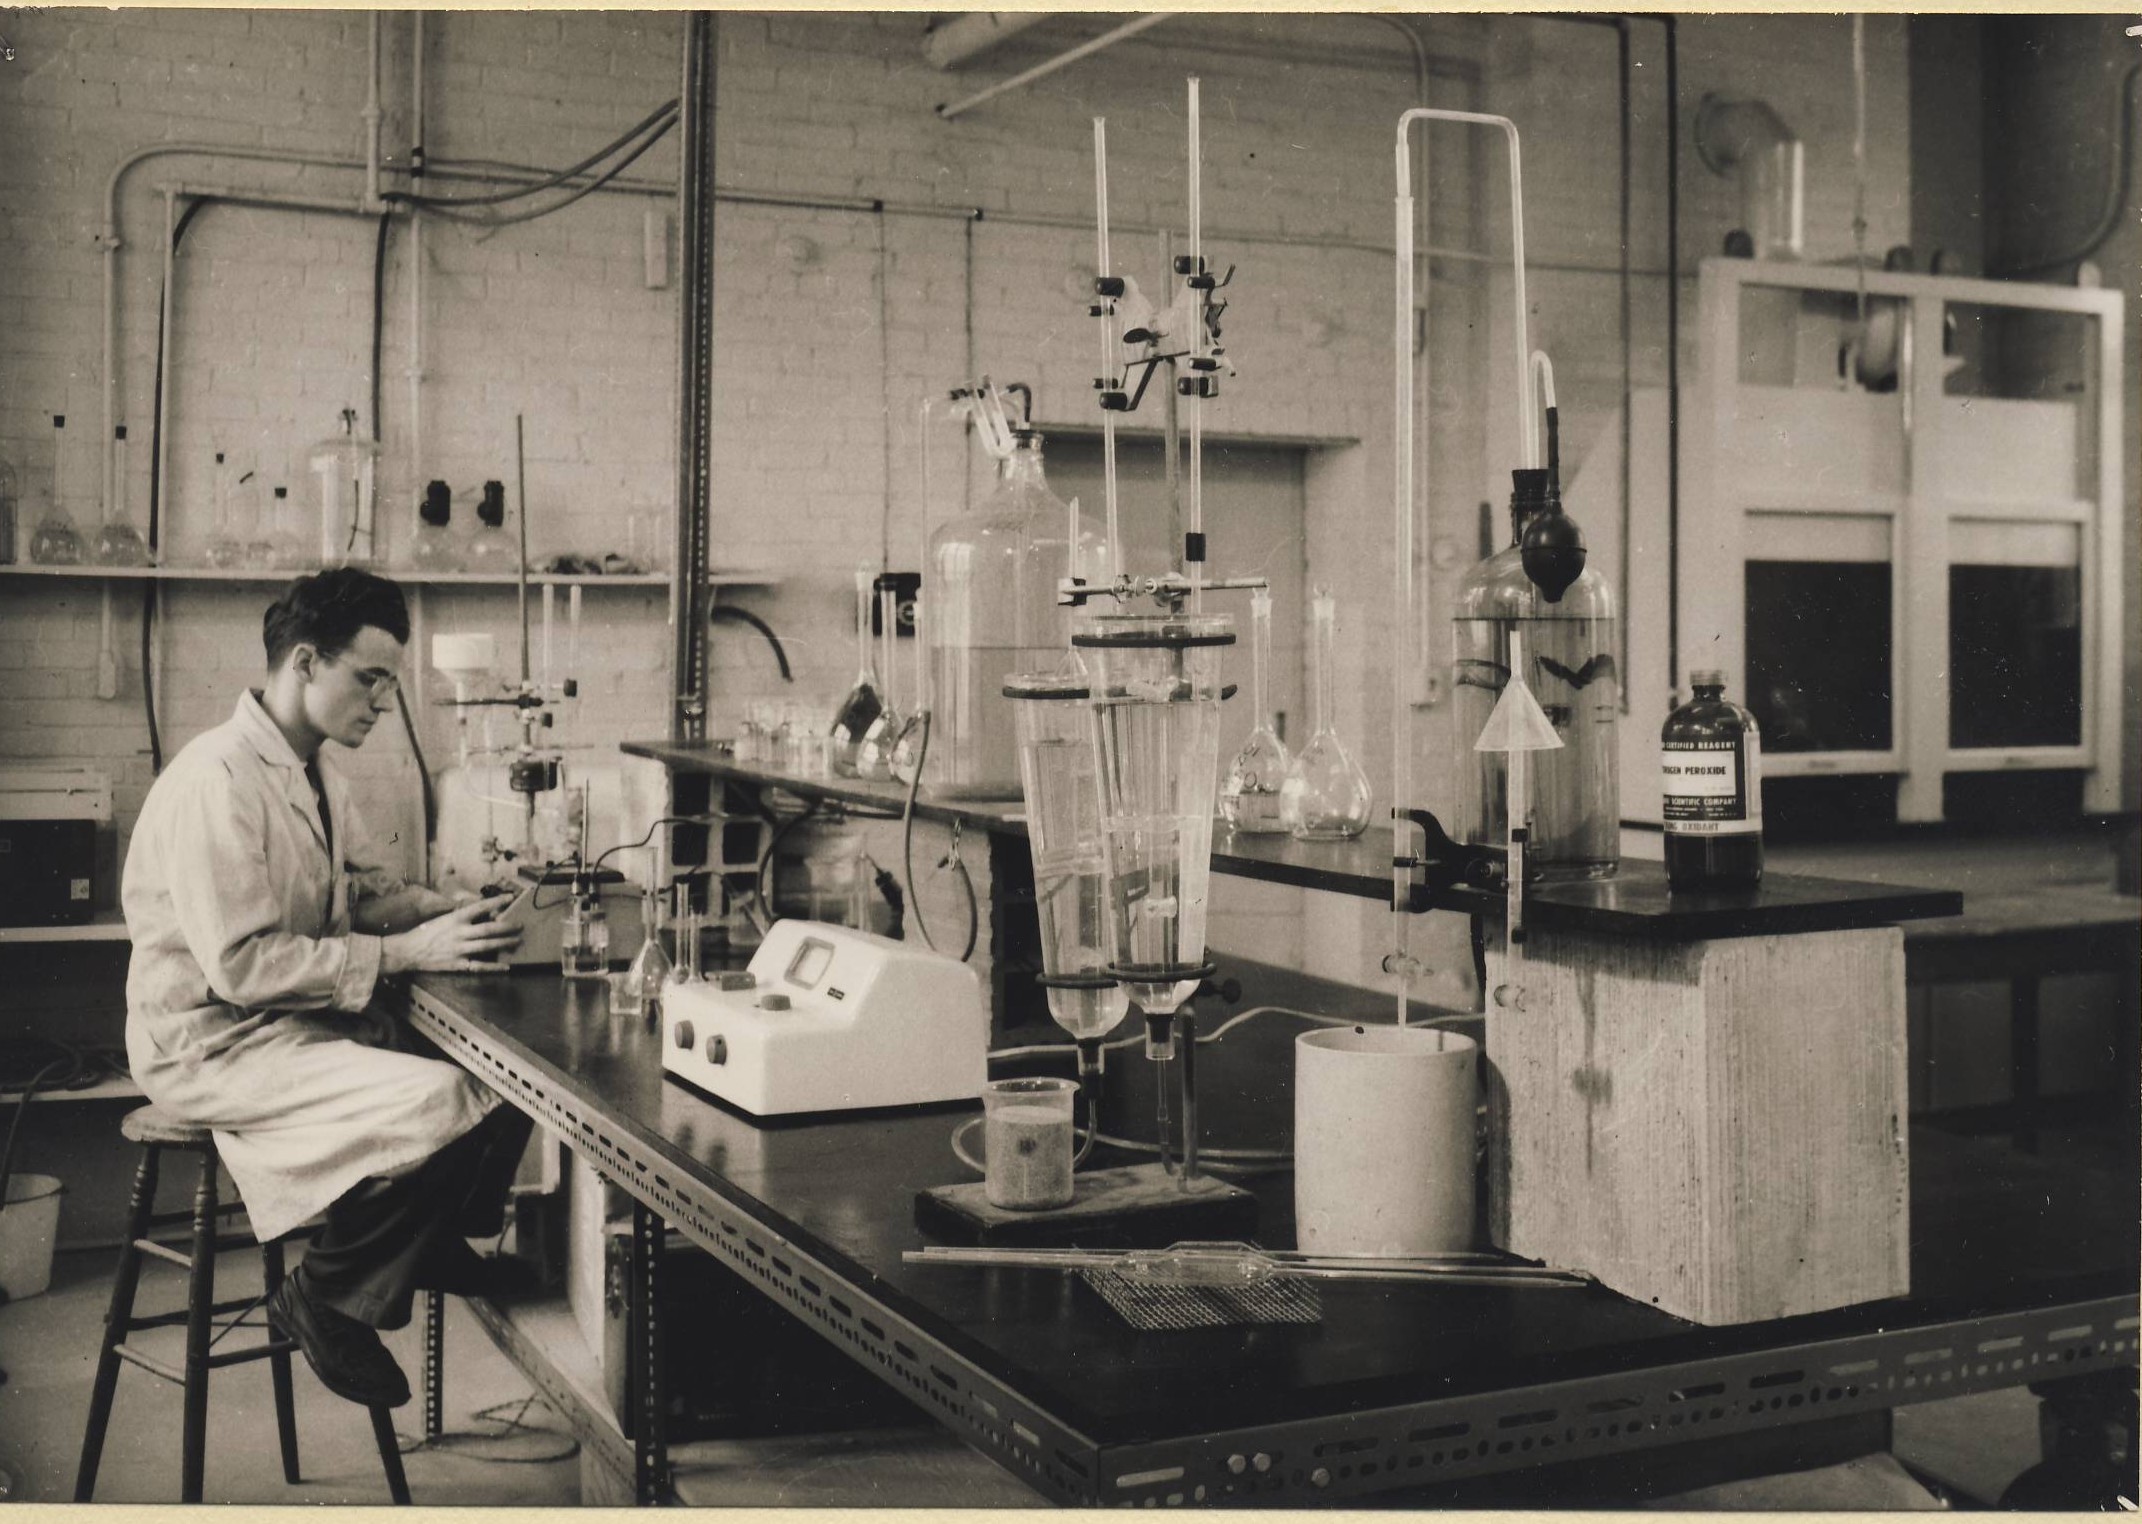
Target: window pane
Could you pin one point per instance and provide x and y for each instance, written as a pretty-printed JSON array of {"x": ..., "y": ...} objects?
[
  {"x": 2015, "y": 656},
  {"x": 1819, "y": 654}
]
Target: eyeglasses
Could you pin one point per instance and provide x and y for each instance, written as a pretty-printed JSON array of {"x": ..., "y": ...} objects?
[{"x": 378, "y": 681}]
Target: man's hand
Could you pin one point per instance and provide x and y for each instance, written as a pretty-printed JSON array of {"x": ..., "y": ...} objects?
[{"x": 450, "y": 943}]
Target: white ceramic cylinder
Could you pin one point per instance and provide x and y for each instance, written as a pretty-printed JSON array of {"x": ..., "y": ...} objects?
[{"x": 1384, "y": 1140}]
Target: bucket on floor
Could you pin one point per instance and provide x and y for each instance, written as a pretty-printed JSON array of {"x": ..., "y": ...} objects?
[{"x": 28, "y": 1224}]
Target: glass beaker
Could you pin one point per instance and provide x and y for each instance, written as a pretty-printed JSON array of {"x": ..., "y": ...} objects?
[
  {"x": 1156, "y": 719},
  {"x": 992, "y": 578},
  {"x": 1053, "y": 715},
  {"x": 1573, "y": 670},
  {"x": 55, "y": 543},
  {"x": 1249, "y": 794},
  {"x": 343, "y": 464},
  {"x": 1326, "y": 795},
  {"x": 1027, "y": 1143},
  {"x": 863, "y": 702},
  {"x": 118, "y": 542}
]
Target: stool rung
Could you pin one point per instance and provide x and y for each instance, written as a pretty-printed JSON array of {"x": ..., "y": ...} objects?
[
  {"x": 180, "y": 1315},
  {"x": 253, "y": 1352},
  {"x": 149, "y": 1363},
  {"x": 151, "y": 1246},
  {"x": 185, "y": 1214}
]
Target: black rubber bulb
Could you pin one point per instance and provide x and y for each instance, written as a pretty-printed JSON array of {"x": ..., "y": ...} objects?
[{"x": 1552, "y": 550}]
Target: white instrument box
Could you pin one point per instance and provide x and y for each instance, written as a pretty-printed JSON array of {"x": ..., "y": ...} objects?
[{"x": 830, "y": 1019}]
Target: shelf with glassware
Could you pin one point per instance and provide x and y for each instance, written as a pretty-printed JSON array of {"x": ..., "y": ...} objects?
[{"x": 412, "y": 578}]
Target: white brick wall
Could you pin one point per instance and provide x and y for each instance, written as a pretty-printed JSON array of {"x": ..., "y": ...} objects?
[{"x": 818, "y": 370}]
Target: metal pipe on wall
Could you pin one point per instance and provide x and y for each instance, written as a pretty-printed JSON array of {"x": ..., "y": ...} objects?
[{"x": 1049, "y": 66}]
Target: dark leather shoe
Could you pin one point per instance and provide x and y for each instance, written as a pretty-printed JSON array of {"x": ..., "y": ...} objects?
[
  {"x": 345, "y": 1354},
  {"x": 459, "y": 1270}
]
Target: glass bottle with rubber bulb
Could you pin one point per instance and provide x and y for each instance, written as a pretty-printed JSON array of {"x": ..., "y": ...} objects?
[
  {"x": 434, "y": 548},
  {"x": 490, "y": 548},
  {"x": 1539, "y": 584},
  {"x": 992, "y": 579}
]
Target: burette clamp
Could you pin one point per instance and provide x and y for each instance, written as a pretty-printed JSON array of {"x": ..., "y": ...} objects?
[{"x": 1441, "y": 865}]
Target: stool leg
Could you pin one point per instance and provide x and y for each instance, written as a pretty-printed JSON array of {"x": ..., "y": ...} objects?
[
  {"x": 117, "y": 1315},
  {"x": 390, "y": 1454},
  {"x": 201, "y": 1296},
  {"x": 434, "y": 1365},
  {"x": 271, "y": 1274}
]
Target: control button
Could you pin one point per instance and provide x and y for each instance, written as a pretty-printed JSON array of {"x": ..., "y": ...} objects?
[
  {"x": 744, "y": 980},
  {"x": 717, "y": 1049},
  {"x": 773, "y": 1002},
  {"x": 683, "y": 1034}
]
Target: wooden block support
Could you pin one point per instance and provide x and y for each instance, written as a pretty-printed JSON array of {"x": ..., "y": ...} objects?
[{"x": 1717, "y": 1127}]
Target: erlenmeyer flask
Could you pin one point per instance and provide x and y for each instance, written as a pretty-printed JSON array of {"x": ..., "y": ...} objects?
[
  {"x": 1249, "y": 795},
  {"x": 864, "y": 700},
  {"x": 55, "y": 543},
  {"x": 118, "y": 542},
  {"x": 874, "y": 753},
  {"x": 1052, "y": 712},
  {"x": 1156, "y": 718},
  {"x": 1326, "y": 795}
]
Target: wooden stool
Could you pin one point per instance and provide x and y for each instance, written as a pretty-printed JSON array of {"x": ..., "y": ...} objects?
[{"x": 156, "y": 1130}]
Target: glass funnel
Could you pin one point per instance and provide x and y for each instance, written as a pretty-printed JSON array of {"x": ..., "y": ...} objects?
[
  {"x": 1249, "y": 794},
  {"x": 1573, "y": 670},
  {"x": 55, "y": 543},
  {"x": 1156, "y": 721},
  {"x": 862, "y": 704},
  {"x": 992, "y": 577},
  {"x": 1326, "y": 795},
  {"x": 118, "y": 541},
  {"x": 1053, "y": 715}
]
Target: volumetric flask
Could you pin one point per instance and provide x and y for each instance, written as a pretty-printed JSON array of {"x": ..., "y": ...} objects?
[
  {"x": 1156, "y": 721},
  {"x": 1063, "y": 830}
]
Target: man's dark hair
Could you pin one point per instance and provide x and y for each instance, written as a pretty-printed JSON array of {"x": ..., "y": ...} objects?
[{"x": 327, "y": 609}]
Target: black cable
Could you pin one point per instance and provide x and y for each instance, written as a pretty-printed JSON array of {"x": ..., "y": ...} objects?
[
  {"x": 907, "y": 832},
  {"x": 563, "y": 202},
  {"x": 1479, "y": 936},
  {"x": 416, "y": 749},
  {"x": 552, "y": 178},
  {"x": 379, "y": 312},
  {"x": 974, "y": 904},
  {"x": 631, "y": 846},
  {"x": 156, "y": 455},
  {"x": 745, "y": 616},
  {"x": 773, "y": 844}
]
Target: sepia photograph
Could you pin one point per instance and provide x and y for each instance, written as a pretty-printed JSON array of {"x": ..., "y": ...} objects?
[{"x": 1244, "y": 757}]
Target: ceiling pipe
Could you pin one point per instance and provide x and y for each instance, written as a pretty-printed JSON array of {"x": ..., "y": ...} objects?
[
  {"x": 968, "y": 37},
  {"x": 1050, "y": 66}
]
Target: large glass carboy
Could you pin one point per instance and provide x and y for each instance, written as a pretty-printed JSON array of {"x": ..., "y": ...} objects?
[
  {"x": 1053, "y": 715},
  {"x": 991, "y": 581},
  {"x": 1156, "y": 720},
  {"x": 1573, "y": 670}
]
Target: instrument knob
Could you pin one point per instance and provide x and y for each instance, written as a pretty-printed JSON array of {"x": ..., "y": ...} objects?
[
  {"x": 773, "y": 1002},
  {"x": 682, "y": 1033}
]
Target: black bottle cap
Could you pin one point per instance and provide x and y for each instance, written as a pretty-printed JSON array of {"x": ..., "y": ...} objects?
[
  {"x": 119, "y": 431},
  {"x": 282, "y": 492},
  {"x": 438, "y": 504},
  {"x": 59, "y": 420},
  {"x": 492, "y": 510}
]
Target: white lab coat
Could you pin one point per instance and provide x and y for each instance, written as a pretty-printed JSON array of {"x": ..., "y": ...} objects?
[{"x": 248, "y": 996}]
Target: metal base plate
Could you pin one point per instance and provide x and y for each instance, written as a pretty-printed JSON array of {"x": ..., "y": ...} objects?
[{"x": 1136, "y": 1207}]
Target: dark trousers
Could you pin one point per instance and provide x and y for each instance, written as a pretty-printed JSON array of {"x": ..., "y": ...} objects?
[{"x": 381, "y": 1238}]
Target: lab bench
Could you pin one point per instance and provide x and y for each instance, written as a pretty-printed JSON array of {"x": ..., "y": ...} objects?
[{"x": 2021, "y": 1272}]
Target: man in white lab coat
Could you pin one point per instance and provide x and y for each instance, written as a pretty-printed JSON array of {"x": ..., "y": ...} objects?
[{"x": 261, "y": 923}]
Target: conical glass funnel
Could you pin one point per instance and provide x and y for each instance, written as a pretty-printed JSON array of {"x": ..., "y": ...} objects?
[
  {"x": 1326, "y": 795},
  {"x": 1249, "y": 794},
  {"x": 1053, "y": 714},
  {"x": 1156, "y": 718},
  {"x": 864, "y": 700}
]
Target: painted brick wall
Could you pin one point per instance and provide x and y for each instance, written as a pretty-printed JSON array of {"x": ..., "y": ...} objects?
[{"x": 832, "y": 322}]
